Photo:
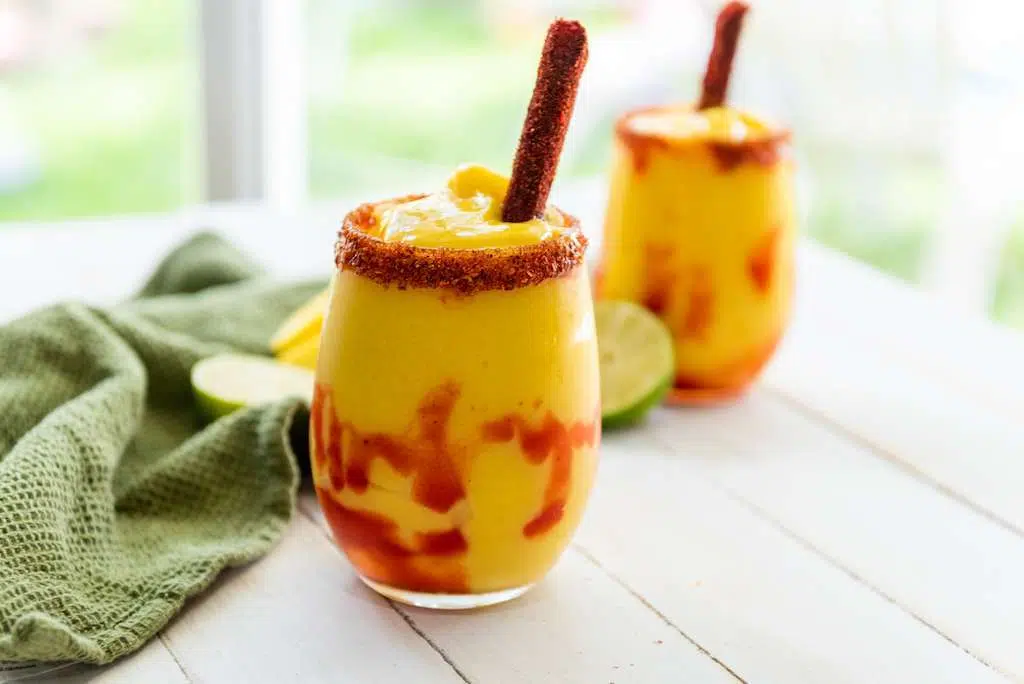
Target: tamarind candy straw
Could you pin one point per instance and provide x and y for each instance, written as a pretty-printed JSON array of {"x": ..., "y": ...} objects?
[
  {"x": 547, "y": 120},
  {"x": 727, "y": 35}
]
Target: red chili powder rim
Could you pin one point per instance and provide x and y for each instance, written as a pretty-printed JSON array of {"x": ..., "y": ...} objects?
[
  {"x": 763, "y": 149},
  {"x": 465, "y": 271}
]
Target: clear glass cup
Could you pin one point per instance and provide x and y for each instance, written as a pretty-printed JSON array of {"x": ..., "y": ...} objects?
[
  {"x": 456, "y": 419},
  {"x": 700, "y": 228}
]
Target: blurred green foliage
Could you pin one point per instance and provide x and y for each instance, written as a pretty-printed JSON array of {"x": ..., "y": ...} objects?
[{"x": 115, "y": 125}]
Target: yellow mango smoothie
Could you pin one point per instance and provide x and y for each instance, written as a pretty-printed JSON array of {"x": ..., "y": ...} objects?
[
  {"x": 700, "y": 229},
  {"x": 456, "y": 418}
]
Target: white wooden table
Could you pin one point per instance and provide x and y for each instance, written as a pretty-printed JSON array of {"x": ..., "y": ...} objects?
[{"x": 858, "y": 517}]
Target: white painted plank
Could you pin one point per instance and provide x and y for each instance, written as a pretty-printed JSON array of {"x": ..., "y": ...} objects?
[
  {"x": 973, "y": 356},
  {"x": 951, "y": 567},
  {"x": 915, "y": 419},
  {"x": 747, "y": 592},
  {"x": 300, "y": 615},
  {"x": 152, "y": 664},
  {"x": 576, "y": 626}
]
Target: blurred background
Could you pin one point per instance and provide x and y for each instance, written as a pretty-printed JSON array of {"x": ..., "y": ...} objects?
[{"x": 908, "y": 114}]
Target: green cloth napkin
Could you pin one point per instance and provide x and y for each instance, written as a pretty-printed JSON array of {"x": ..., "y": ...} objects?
[{"x": 116, "y": 503}]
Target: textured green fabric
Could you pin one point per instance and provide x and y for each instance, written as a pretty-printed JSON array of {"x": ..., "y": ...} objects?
[{"x": 116, "y": 502}]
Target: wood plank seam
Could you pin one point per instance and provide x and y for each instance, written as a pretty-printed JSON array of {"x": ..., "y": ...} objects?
[
  {"x": 650, "y": 606},
  {"x": 423, "y": 635},
  {"x": 174, "y": 656},
  {"x": 405, "y": 616},
  {"x": 759, "y": 512},
  {"x": 837, "y": 428}
]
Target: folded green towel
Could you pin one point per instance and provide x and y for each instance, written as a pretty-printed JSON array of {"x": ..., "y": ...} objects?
[{"x": 116, "y": 503}]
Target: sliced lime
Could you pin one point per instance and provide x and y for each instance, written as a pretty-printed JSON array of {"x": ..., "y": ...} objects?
[
  {"x": 225, "y": 383},
  {"x": 637, "y": 361}
]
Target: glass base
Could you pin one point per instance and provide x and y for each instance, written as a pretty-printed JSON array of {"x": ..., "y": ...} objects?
[{"x": 446, "y": 601}]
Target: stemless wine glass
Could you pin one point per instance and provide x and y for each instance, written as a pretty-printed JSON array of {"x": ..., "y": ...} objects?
[
  {"x": 456, "y": 418},
  {"x": 700, "y": 228}
]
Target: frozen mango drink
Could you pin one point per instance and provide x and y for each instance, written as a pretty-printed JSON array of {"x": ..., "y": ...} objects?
[
  {"x": 700, "y": 229},
  {"x": 456, "y": 418}
]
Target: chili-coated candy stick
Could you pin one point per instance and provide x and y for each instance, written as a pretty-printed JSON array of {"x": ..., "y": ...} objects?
[
  {"x": 547, "y": 120},
  {"x": 727, "y": 35}
]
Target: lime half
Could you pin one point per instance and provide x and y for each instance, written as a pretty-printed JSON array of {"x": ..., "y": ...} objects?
[
  {"x": 225, "y": 383},
  {"x": 637, "y": 361}
]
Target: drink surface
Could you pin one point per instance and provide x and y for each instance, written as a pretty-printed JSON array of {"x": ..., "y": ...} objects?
[
  {"x": 464, "y": 215},
  {"x": 455, "y": 435},
  {"x": 700, "y": 228},
  {"x": 719, "y": 124}
]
